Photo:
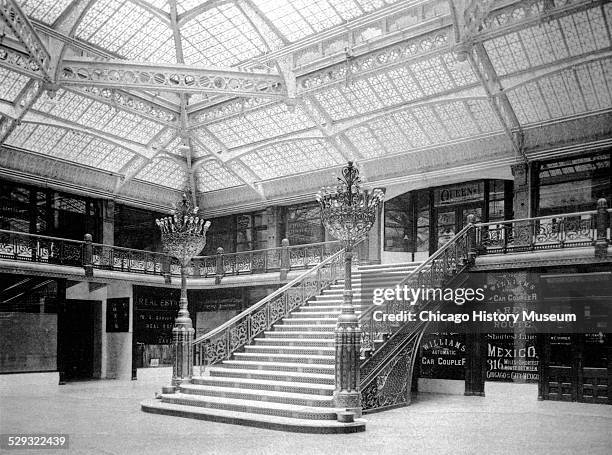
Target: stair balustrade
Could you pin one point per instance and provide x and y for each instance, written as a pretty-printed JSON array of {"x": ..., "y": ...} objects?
[
  {"x": 219, "y": 344},
  {"x": 390, "y": 348}
]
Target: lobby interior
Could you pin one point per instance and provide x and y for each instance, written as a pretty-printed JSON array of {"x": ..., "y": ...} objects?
[{"x": 186, "y": 186}]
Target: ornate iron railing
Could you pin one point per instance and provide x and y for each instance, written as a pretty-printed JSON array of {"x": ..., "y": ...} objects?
[
  {"x": 389, "y": 348},
  {"x": 298, "y": 257},
  {"x": 21, "y": 246},
  {"x": 541, "y": 233},
  {"x": 220, "y": 343},
  {"x": 109, "y": 257}
]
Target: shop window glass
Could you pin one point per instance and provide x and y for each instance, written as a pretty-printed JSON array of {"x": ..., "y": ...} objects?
[
  {"x": 304, "y": 224},
  {"x": 423, "y": 221},
  {"x": 398, "y": 224},
  {"x": 574, "y": 185}
]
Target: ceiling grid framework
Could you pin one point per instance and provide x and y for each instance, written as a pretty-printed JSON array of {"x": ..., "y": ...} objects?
[{"x": 166, "y": 112}]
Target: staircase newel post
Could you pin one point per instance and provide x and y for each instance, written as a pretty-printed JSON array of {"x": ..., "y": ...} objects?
[
  {"x": 88, "y": 256},
  {"x": 285, "y": 263},
  {"x": 348, "y": 346},
  {"x": 602, "y": 221},
  {"x": 182, "y": 338},
  {"x": 219, "y": 270},
  {"x": 165, "y": 267},
  {"x": 472, "y": 247}
]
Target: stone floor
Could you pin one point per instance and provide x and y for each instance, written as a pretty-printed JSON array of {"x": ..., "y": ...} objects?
[{"x": 104, "y": 417}]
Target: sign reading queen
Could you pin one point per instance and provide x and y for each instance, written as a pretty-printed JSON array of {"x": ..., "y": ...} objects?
[{"x": 465, "y": 192}]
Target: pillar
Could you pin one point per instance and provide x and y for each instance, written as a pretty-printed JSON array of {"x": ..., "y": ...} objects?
[
  {"x": 108, "y": 222},
  {"x": 520, "y": 233},
  {"x": 602, "y": 223},
  {"x": 348, "y": 347}
]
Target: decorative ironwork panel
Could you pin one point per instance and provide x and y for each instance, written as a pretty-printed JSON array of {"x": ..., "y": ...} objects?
[
  {"x": 238, "y": 335},
  {"x": 259, "y": 322},
  {"x": 391, "y": 387}
]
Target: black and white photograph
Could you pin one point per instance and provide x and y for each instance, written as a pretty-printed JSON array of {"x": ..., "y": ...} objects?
[{"x": 306, "y": 227}]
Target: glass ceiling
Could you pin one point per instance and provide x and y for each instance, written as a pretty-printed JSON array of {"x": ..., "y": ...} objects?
[{"x": 406, "y": 95}]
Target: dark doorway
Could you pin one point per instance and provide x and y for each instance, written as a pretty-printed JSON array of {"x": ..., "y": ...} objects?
[
  {"x": 76, "y": 339},
  {"x": 450, "y": 220}
]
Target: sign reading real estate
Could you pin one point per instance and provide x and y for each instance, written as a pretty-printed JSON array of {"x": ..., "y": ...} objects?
[{"x": 154, "y": 312}]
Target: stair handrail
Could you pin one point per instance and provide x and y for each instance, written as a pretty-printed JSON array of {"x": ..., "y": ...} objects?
[
  {"x": 220, "y": 343},
  {"x": 450, "y": 267},
  {"x": 396, "y": 354}
]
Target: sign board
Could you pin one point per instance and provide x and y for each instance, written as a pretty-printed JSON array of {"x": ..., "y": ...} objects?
[
  {"x": 464, "y": 192},
  {"x": 118, "y": 314}
]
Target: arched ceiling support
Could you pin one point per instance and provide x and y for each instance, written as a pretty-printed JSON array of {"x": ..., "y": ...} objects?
[
  {"x": 253, "y": 7},
  {"x": 204, "y": 6},
  {"x": 482, "y": 66},
  {"x": 348, "y": 155},
  {"x": 216, "y": 157},
  {"x": 20, "y": 25},
  {"x": 14, "y": 113},
  {"x": 517, "y": 80},
  {"x": 66, "y": 24},
  {"x": 344, "y": 125},
  {"x": 159, "y": 13}
]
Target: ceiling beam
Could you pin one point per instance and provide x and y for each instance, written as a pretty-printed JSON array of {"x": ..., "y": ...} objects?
[
  {"x": 20, "y": 25},
  {"x": 178, "y": 78},
  {"x": 483, "y": 68}
]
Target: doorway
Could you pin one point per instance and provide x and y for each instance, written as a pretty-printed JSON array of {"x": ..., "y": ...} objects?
[
  {"x": 576, "y": 366},
  {"x": 75, "y": 342},
  {"x": 450, "y": 220}
]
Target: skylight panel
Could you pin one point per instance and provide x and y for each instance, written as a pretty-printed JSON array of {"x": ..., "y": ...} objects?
[
  {"x": 389, "y": 133},
  {"x": 483, "y": 114},
  {"x": 221, "y": 36},
  {"x": 297, "y": 19},
  {"x": 213, "y": 176},
  {"x": 127, "y": 29},
  {"x": 457, "y": 120},
  {"x": 431, "y": 124},
  {"x": 46, "y": 11},
  {"x": 260, "y": 124},
  {"x": 11, "y": 84},
  {"x": 412, "y": 129},
  {"x": 289, "y": 158},
  {"x": 286, "y": 18},
  {"x": 103, "y": 117},
  {"x": 186, "y": 5},
  {"x": 365, "y": 142},
  {"x": 164, "y": 172},
  {"x": 73, "y": 146},
  {"x": 159, "y": 4}
]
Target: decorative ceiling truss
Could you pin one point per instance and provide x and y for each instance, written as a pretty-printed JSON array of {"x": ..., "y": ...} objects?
[
  {"x": 20, "y": 25},
  {"x": 134, "y": 89},
  {"x": 173, "y": 78}
]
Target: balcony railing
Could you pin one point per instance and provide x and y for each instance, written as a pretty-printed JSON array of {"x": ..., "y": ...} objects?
[
  {"x": 22, "y": 246},
  {"x": 571, "y": 230}
]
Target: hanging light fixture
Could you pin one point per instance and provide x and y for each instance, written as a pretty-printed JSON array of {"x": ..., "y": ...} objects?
[{"x": 183, "y": 236}]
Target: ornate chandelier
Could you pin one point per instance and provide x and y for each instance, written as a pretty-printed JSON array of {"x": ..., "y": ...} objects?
[
  {"x": 183, "y": 236},
  {"x": 348, "y": 211},
  {"x": 184, "y": 232}
]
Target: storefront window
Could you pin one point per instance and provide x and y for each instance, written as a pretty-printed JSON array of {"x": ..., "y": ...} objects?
[
  {"x": 398, "y": 224},
  {"x": 304, "y": 224},
  {"x": 573, "y": 185}
]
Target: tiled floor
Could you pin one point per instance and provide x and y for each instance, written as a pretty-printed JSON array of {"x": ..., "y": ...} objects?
[{"x": 104, "y": 417}]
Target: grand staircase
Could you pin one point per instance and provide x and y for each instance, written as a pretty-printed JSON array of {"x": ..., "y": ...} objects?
[{"x": 284, "y": 379}]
